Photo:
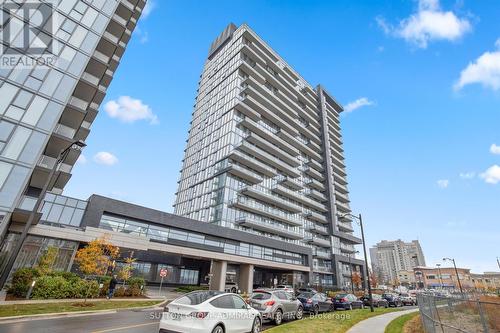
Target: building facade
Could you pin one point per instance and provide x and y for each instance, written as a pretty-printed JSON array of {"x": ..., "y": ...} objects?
[
  {"x": 193, "y": 253},
  {"x": 264, "y": 155},
  {"x": 442, "y": 278},
  {"x": 390, "y": 257},
  {"x": 48, "y": 104},
  {"x": 488, "y": 281}
]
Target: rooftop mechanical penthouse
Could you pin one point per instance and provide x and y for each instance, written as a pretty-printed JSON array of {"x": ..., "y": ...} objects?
[{"x": 264, "y": 155}]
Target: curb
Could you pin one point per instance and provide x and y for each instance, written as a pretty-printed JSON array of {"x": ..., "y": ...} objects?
[{"x": 69, "y": 314}]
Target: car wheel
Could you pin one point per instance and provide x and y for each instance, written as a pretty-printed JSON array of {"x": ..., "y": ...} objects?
[
  {"x": 299, "y": 314},
  {"x": 278, "y": 317},
  {"x": 233, "y": 290},
  {"x": 218, "y": 329},
  {"x": 256, "y": 327},
  {"x": 316, "y": 310}
]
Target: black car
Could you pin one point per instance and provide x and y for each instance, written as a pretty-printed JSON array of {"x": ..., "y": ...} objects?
[
  {"x": 347, "y": 302},
  {"x": 393, "y": 300},
  {"x": 305, "y": 290},
  {"x": 315, "y": 302},
  {"x": 378, "y": 301}
]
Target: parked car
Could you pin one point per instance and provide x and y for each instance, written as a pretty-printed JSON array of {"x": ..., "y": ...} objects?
[
  {"x": 276, "y": 305},
  {"x": 306, "y": 290},
  {"x": 210, "y": 311},
  {"x": 378, "y": 301},
  {"x": 285, "y": 287},
  {"x": 231, "y": 287},
  {"x": 347, "y": 302},
  {"x": 393, "y": 300},
  {"x": 315, "y": 302},
  {"x": 407, "y": 299}
]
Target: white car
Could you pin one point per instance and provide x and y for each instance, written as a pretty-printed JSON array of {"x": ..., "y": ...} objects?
[
  {"x": 286, "y": 287},
  {"x": 208, "y": 311}
]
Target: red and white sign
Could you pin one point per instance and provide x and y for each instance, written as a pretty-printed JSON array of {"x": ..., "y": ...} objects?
[{"x": 163, "y": 272}]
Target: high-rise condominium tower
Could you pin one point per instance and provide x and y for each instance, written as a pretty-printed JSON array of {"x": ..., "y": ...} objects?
[
  {"x": 57, "y": 59},
  {"x": 264, "y": 155},
  {"x": 390, "y": 257}
]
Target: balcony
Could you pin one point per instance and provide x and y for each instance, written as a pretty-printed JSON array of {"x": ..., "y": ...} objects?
[
  {"x": 240, "y": 172},
  {"x": 323, "y": 242},
  {"x": 268, "y": 226},
  {"x": 319, "y": 229},
  {"x": 315, "y": 164},
  {"x": 272, "y": 149},
  {"x": 324, "y": 269},
  {"x": 261, "y": 209},
  {"x": 266, "y": 195},
  {"x": 298, "y": 197},
  {"x": 313, "y": 183},
  {"x": 316, "y": 195},
  {"x": 315, "y": 217},
  {"x": 345, "y": 226},
  {"x": 344, "y": 208},
  {"x": 314, "y": 173},
  {"x": 321, "y": 254},
  {"x": 340, "y": 187},
  {"x": 268, "y": 158},
  {"x": 252, "y": 163},
  {"x": 340, "y": 197},
  {"x": 270, "y": 134},
  {"x": 292, "y": 183}
]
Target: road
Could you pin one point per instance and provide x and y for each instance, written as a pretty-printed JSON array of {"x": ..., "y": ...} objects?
[{"x": 133, "y": 321}]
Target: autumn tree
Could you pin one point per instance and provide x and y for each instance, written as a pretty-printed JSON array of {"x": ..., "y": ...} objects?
[
  {"x": 356, "y": 280},
  {"x": 373, "y": 280},
  {"x": 125, "y": 272},
  {"x": 47, "y": 260},
  {"x": 96, "y": 257}
]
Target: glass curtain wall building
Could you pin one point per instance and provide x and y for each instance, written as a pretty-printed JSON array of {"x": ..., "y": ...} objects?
[
  {"x": 45, "y": 106},
  {"x": 265, "y": 155}
]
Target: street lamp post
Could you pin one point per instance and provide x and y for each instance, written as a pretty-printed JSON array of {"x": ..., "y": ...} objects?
[
  {"x": 359, "y": 218},
  {"x": 456, "y": 272},
  {"x": 440, "y": 278},
  {"x": 13, "y": 254}
]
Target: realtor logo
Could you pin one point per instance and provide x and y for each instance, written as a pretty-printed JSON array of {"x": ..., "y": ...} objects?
[
  {"x": 27, "y": 27},
  {"x": 26, "y": 33}
]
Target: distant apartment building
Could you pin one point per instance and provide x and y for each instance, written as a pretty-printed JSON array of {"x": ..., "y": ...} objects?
[
  {"x": 443, "y": 277},
  {"x": 264, "y": 155},
  {"x": 406, "y": 278},
  {"x": 49, "y": 103},
  {"x": 390, "y": 257}
]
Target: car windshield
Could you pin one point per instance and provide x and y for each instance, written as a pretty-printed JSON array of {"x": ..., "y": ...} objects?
[
  {"x": 196, "y": 297},
  {"x": 261, "y": 295},
  {"x": 339, "y": 296},
  {"x": 306, "y": 295},
  {"x": 387, "y": 295}
]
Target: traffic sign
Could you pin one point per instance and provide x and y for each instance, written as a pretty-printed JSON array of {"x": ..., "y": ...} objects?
[{"x": 163, "y": 272}]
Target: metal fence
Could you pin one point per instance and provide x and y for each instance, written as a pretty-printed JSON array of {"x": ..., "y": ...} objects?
[{"x": 464, "y": 313}]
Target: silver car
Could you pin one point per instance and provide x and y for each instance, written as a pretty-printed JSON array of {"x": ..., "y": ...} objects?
[{"x": 276, "y": 305}]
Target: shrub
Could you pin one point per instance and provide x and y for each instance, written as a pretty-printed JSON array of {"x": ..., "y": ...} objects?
[
  {"x": 70, "y": 276},
  {"x": 21, "y": 281},
  {"x": 186, "y": 289},
  {"x": 51, "y": 287}
]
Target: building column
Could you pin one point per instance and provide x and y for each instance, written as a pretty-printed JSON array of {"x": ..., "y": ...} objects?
[
  {"x": 218, "y": 275},
  {"x": 246, "y": 278}
]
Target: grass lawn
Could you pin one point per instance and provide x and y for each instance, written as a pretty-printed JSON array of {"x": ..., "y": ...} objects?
[
  {"x": 330, "y": 322},
  {"x": 30, "y": 309},
  {"x": 396, "y": 326}
]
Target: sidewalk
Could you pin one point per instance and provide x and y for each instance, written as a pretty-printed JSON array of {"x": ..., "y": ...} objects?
[{"x": 377, "y": 324}]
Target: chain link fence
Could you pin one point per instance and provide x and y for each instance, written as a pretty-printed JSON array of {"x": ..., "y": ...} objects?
[{"x": 465, "y": 314}]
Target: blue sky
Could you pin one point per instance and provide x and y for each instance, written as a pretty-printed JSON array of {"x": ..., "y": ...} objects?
[{"x": 422, "y": 78}]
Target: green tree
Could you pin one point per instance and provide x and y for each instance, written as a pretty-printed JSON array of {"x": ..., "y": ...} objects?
[
  {"x": 125, "y": 272},
  {"x": 47, "y": 260}
]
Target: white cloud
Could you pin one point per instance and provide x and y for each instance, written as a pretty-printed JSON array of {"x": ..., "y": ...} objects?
[
  {"x": 148, "y": 8},
  {"x": 81, "y": 159},
  {"x": 428, "y": 24},
  {"x": 360, "y": 102},
  {"x": 103, "y": 157},
  {"x": 494, "y": 149},
  {"x": 130, "y": 110},
  {"x": 467, "y": 175},
  {"x": 492, "y": 175},
  {"x": 443, "y": 183},
  {"x": 485, "y": 70},
  {"x": 143, "y": 35}
]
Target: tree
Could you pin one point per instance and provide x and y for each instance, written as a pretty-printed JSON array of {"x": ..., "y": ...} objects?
[
  {"x": 356, "y": 280},
  {"x": 373, "y": 279},
  {"x": 47, "y": 260},
  {"x": 96, "y": 257},
  {"x": 125, "y": 272}
]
